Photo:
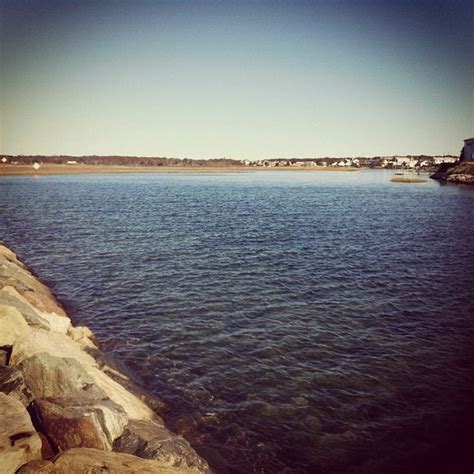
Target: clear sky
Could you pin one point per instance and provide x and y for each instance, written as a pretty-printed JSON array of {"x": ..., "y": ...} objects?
[{"x": 237, "y": 79}]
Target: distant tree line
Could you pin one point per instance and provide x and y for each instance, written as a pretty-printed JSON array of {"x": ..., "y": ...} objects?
[{"x": 121, "y": 160}]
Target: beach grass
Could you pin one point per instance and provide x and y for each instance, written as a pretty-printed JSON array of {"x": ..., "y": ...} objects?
[{"x": 405, "y": 179}]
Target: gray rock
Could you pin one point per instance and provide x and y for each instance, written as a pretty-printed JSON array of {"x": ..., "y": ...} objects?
[
  {"x": 19, "y": 442},
  {"x": 13, "y": 383},
  {"x": 151, "y": 441},
  {"x": 48, "y": 376},
  {"x": 61, "y": 345}
]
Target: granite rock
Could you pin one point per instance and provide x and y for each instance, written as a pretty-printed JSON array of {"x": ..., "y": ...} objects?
[
  {"x": 12, "y": 325},
  {"x": 12, "y": 383},
  {"x": 93, "y": 461},
  {"x": 152, "y": 441},
  {"x": 19, "y": 442},
  {"x": 81, "y": 418}
]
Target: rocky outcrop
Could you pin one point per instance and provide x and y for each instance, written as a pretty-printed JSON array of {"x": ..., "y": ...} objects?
[
  {"x": 152, "y": 441},
  {"x": 19, "y": 442},
  {"x": 457, "y": 173},
  {"x": 65, "y": 405}
]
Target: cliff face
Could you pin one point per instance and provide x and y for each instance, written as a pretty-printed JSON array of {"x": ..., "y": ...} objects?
[
  {"x": 458, "y": 173},
  {"x": 64, "y": 405}
]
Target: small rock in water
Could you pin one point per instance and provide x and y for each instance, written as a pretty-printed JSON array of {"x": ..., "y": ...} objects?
[{"x": 300, "y": 401}]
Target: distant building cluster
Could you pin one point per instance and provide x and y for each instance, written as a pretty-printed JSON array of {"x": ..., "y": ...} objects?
[
  {"x": 270, "y": 163},
  {"x": 414, "y": 162}
]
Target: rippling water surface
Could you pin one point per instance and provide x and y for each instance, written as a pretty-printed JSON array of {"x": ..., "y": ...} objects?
[{"x": 293, "y": 321}]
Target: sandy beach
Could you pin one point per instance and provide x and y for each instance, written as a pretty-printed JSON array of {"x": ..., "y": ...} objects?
[{"x": 48, "y": 169}]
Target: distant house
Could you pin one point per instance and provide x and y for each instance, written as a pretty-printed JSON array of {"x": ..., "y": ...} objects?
[
  {"x": 71, "y": 162},
  {"x": 404, "y": 161},
  {"x": 437, "y": 160},
  {"x": 468, "y": 150},
  {"x": 4, "y": 159}
]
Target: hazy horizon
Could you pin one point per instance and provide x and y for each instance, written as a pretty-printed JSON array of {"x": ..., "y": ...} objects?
[{"x": 246, "y": 80}]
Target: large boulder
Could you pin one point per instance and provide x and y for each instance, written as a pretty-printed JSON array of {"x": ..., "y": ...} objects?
[
  {"x": 12, "y": 325},
  {"x": 152, "y": 441},
  {"x": 60, "y": 345},
  {"x": 8, "y": 255},
  {"x": 34, "y": 316},
  {"x": 10, "y": 297},
  {"x": 81, "y": 418},
  {"x": 19, "y": 442},
  {"x": 53, "y": 343},
  {"x": 86, "y": 460},
  {"x": 20, "y": 278},
  {"x": 47, "y": 375},
  {"x": 13, "y": 383}
]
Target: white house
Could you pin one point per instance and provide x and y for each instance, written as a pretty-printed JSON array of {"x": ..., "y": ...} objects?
[
  {"x": 437, "y": 160},
  {"x": 405, "y": 161}
]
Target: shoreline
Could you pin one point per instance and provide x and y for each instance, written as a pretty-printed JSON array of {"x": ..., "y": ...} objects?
[
  {"x": 458, "y": 173},
  {"x": 65, "y": 406},
  {"x": 53, "y": 169}
]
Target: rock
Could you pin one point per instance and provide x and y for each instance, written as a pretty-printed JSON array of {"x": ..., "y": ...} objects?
[
  {"x": 37, "y": 467},
  {"x": 83, "y": 336},
  {"x": 13, "y": 383},
  {"x": 49, "y": 376},
  {"x": 151, "y": 441},
  {"x": 35, "y": 317},
  {"x": 47, "y": 451},
  {"x": 119, "y": 372},
  {"x": 133, "y": 406},
  {"x": 12, "y": 325},
  {"x": 8, "y": 296},
  {"x": 93, "y": 461},
  {"x": 19, "y": 442},
  {"x": 53, "y": 343},
  {"x": 6, "y": 253},
  {"x": 60, "y": 345},
  {"x": 82, "y": 418}
]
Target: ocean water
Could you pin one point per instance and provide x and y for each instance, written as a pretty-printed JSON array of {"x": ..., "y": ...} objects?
[{"x": 294, "y": 322}]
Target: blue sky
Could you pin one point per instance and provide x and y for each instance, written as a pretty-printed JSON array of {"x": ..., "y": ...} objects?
[{"x": 236, "y": 79}]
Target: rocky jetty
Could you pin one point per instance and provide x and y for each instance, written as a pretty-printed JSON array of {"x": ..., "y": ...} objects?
[
  {"x": 64, "y": 405},
  {"x": 461, "y": 172}
]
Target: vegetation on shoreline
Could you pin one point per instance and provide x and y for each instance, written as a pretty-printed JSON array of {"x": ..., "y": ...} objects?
[
  {"x": 48, "y": 169},
  {"x": 405, "y": 179}
]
